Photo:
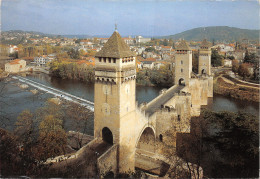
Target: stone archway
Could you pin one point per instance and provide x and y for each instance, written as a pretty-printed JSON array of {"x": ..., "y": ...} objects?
[
  {"x": 147, "y": 140},
  {"x": 181, "y": 82},
  {"x": 107, "y": 135},
  {"x": 203, "y": 71}
]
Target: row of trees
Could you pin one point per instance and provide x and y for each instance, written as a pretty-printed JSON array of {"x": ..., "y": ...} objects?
[
  {"x": 39, "y": 136},
  {"x": 72, "y": 70},
  {"x": 162, "y": 77},
  {"x": 243, "y": 69}
]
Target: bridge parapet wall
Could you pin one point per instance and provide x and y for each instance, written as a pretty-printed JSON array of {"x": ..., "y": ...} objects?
[
  {"x": 80, "y": 152},
  {"x": 108, "y": 161},
  {"x": 158, "y": 97}
]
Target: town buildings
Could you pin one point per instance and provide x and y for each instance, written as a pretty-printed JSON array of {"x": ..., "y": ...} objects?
[{"x": 15, "y": 66}]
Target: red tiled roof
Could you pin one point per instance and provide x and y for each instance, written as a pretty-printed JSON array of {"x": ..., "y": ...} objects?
[{"x": 149, "y": 59}]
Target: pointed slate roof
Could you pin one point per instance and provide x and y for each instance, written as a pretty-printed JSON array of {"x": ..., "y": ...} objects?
[
  {"x": 183, "y": 46},
  {"x": 115, "y": 47},
  {"x": 205, "y": 43}
]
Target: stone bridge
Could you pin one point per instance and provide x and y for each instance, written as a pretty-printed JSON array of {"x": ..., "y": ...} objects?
[{"x": 128, "y": 136}]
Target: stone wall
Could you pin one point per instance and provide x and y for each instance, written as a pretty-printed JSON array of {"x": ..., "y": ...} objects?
[{"x": 108, "y": 161}]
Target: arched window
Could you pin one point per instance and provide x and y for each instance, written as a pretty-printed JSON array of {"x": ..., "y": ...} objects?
[
  {"x": 181, "y": 62},
  {"x": 181, "y": 70}
]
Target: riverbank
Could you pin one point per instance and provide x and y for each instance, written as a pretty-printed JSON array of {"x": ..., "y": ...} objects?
[{"x": 226, "y": 87}]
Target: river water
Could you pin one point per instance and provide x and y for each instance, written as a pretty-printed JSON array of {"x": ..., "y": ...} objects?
[{"x": 14, "y": 99}]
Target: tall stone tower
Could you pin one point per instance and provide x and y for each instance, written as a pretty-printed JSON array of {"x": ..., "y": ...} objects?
[
  {"x": 205, "y": 58},
  {"x": 115, "y": 80},
  {"x": 183, "y": 64}
]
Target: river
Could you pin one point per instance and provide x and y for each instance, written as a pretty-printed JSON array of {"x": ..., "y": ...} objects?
[{"x": 14, "y": 99}]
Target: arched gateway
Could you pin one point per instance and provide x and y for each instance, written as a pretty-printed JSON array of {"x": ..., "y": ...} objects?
[
  {"x": 107, "y": 135},
  {"x": 147, "y": 140},
  {"x": 181, "y": 82}
]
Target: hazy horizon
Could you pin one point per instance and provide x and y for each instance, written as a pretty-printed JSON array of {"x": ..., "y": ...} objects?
[
  {"x": 133, "y": 17},
  {"x": 108, "y": 35}
]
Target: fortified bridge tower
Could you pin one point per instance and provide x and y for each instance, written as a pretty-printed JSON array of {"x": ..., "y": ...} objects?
[
  {"x": 183, "y": 64},
  {"x": 115, "y": 80},
  {"x": 205, "y": 58}
]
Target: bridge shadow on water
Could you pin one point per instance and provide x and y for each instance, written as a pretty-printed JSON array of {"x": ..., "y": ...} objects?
[{"x": 202, "y": 147}]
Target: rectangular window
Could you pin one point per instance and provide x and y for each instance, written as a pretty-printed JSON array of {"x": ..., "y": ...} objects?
[{"x": 114, "y": 60}]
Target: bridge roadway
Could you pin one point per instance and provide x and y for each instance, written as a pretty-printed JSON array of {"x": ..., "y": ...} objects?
[
  {"x": 61, "y": 94},
  {"x": 162, "y": 100},
  {"x": 85, "y": 165}
]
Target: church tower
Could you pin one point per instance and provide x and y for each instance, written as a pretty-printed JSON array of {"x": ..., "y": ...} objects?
[
  {"x": 205, "y": 58},
  {"x": 183, "y": 64},
  {"x": 115, "y": 80}
]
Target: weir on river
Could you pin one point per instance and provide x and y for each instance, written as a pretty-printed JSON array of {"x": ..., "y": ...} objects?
[{"x": 58, "y": 93}]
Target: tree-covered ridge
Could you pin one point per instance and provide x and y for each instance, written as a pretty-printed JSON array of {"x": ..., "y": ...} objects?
[{"x": 218, "y": 33}]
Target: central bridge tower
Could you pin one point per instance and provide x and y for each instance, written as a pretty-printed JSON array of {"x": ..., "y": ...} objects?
[{"x": 115, "y": 80}]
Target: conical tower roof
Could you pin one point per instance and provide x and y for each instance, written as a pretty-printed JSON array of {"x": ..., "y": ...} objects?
[
  {"x": 115, "y": 47},
  {"x": 205, "y": 43},
  {"x": 183, "y": 46}
]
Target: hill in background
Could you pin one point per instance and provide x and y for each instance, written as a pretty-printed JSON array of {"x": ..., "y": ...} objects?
[{"x": 218, "y": 33}]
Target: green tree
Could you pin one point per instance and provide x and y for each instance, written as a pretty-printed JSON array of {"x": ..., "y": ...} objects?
[
  {"x": 253, "y": 59},
  {"x": 237, "y": 140},
  {"x": 247, "y": 57},
  {"x": 74, "y": 54},
  {"x": 165, "y": 42},
  {"x": 150, "y": 49},
  {"x": 216, "y": 59},
  {"x": 231, "y": 57}
]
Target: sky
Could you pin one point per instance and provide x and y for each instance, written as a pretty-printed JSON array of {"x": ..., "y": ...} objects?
[{"x": 133, "y": 17}]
